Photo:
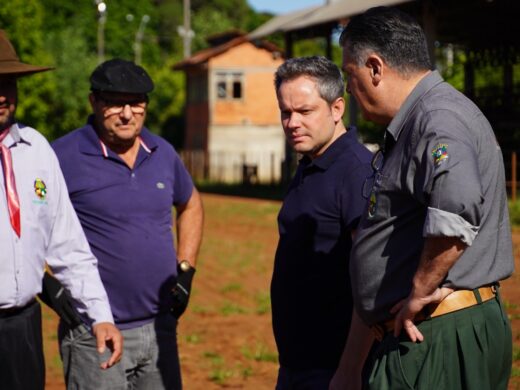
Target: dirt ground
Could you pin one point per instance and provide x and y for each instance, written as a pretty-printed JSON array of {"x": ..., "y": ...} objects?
[{"x": 225, "y": 337}]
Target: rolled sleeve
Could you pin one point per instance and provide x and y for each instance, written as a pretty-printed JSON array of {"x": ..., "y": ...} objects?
[
  {"x": 442, "y": 223},
  {"x": 451, "y": 179}
]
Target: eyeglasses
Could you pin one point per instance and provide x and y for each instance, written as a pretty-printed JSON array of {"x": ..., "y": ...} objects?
[
  {"x": 375, "y": 179},
  {"x": 116, "y": 107}
]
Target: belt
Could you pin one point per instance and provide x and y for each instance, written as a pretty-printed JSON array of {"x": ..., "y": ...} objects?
[
  {"x": 12, "y": 311},
  {"x": 457, "y": 300},
  {"x": 79, "y": 330}
]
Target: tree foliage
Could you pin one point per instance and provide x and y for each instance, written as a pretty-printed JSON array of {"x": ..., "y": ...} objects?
[
  {"x": 64, "y": 34},
  {"x": 27, "y": 35}
]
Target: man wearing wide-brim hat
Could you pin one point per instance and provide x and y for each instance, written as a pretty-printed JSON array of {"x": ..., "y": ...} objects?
[{"x": 38, "y": 225}]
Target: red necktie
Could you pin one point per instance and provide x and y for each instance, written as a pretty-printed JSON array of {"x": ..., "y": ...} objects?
[{"x": 13, "y": 204}]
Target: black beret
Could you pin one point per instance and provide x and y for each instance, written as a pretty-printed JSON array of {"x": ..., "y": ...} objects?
[{"x": 122, "y": 76}]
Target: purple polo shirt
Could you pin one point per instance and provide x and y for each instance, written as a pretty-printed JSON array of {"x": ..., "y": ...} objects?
[{"x": 127, "y": 217}]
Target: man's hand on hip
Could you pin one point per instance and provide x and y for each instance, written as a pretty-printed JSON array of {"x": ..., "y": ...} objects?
[
  {"x": 108, "y": 336},
  {"x": 408, "y": 308}
]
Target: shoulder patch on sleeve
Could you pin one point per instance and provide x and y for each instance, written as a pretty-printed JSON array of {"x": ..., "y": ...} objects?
[{"x": 440, "y": 154}]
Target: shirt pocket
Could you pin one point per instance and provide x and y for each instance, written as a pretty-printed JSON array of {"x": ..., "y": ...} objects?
[{"x": 378, "y": 205}]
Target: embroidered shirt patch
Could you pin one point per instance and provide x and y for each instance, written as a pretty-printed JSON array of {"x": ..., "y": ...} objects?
[
  {"x": 40, "y": 189},
  {"x": 439, "y": 154}
]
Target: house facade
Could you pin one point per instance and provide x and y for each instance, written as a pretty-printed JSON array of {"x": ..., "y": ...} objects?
[{"x": 232, "y": 118}]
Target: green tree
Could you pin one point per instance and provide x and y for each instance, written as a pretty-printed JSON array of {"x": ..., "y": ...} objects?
[
  {"x": 74, "y": 62},
  {"x": 23, "y": 21},
  {"x": 167, "y": 104}
]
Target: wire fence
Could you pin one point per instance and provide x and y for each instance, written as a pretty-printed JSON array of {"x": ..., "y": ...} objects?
[
  {"x": 266, "y": 168},
  {"x": 234, "y": 168}
]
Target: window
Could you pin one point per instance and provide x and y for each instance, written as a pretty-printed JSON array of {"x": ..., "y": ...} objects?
[
  {"x": 230, "y": 85},
  {"x": 221, "y": 90},
  {"x": 237, "y": 89}
]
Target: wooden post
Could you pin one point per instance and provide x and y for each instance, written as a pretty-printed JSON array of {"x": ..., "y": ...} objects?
[{"x": 513, "y": 176}]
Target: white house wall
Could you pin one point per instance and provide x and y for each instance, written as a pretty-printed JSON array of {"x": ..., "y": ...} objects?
[{"x": 231, "y": 147}]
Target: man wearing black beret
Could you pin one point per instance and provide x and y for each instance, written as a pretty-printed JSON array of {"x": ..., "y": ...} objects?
[{"x": 123, "y": 181}]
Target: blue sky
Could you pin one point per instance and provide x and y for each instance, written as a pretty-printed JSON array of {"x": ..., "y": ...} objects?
[{"x": 283, "y": 6}]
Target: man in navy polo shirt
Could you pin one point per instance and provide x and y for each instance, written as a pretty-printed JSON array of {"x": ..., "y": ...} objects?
[
  {"x": 310, "y": 290},
  {"x": 123, "y": 181}
]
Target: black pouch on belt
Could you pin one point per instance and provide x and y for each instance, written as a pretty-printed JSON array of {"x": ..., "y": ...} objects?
[{"x": 56, "y": 297}]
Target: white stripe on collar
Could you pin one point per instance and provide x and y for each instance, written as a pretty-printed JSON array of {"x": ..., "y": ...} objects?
[
  {"x": 103, "y": 148},
  {"x": 145, "y": 147},
  {"x": 141, "y": 141}
]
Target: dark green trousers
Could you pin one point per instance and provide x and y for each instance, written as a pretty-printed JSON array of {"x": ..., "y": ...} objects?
[{"x": 468, "y": 349}]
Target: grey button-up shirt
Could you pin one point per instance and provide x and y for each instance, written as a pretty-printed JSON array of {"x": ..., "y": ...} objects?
[
  {"x": 50, "y": 231},
  {"x": 444, "y": 176}
]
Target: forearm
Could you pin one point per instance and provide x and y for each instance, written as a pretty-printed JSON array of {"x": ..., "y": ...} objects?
[
  {"x": 438, "y": 256},
  {"x": 350, "y": 368},
  {"x": 359, "y": 341},
  {"x": 190, "y": 220}
]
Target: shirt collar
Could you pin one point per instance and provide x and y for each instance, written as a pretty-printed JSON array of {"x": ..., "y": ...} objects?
[
  {"x": 90, "y": 143},
  {"x": 14, "y": 137},
  {"x": 426, "y": 84},
  {"x": 331, "y": 154}
]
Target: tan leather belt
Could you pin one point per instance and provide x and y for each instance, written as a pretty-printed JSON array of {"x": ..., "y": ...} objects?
[{"x": 457, "y": 300}]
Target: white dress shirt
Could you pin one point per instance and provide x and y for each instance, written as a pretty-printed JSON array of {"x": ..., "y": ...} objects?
[{"x": 50, "y": 231}]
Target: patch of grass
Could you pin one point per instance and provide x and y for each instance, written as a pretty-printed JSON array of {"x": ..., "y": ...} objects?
[
  {"x": 229, "y": 308},
  {"x": 220, "y": 375},
  {"x": 247, "y": 372},
  {"x": 193, "y": 338},
  {"x": 214, "y": 357},
  {"x": 261, "y": 214},
  {"x": 263, "y": 303},
  {"x": 260, "y": 354},
  {"x": 57, "y": 363},
  {"x": 199, "y": 309},
  {"x": 261, "y": 191},
  {"x": 231, "y": 287},
  {"x": 514, "y": 212},
  {"x": 509, "y": 305},
  {"x": 515, "y": 372},
  {"x": 516, "y": 353}
]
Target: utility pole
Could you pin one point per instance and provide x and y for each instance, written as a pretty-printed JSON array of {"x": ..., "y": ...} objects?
[
  {"x": 102, "y": 19},
  {"x": 185, "y": 31},
  {"x": 139, "y": 39}
]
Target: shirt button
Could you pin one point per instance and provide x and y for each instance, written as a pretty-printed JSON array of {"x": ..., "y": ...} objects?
[{"x": 133, "y": 174}]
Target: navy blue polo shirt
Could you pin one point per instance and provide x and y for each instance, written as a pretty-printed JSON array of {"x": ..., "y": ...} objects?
[
  {"x": 310, "y": 290},
  {"x": 127, "y": 217}
]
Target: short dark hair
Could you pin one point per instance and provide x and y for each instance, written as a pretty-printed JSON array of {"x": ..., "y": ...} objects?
[
  {"x": 392, "y": 34},
  {"x": 329, "y": 79}
]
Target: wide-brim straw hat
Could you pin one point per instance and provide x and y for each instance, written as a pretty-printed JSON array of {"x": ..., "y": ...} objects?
[{"x": 10, "y": 64}]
